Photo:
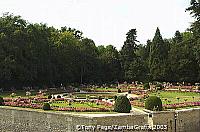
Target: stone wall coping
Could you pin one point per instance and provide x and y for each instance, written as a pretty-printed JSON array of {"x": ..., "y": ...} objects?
[
  {"x": 92, "y": 115},
  {"x": 85, "y": 115},
  {"x": 170, "y": 111},
  {"x": 190, "y": 109},
  {"x": 158, "y": 112}
]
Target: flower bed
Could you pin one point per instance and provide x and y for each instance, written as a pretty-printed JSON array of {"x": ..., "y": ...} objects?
[
  {"x": 139, "y": 104},
  {"x": 181, "y": 105},
  {"x": 24, "y": 105},
  {"x": 169, "y": 106},
  {"x": 73, "y": 109},
  {"x": 37, "y": 103}
]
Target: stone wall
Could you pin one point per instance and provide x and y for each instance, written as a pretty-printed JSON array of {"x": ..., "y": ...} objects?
[
  {"x": 28, "y": 120},
  {"x": 164, "y": 117},
  {"x": 188, "y": 120},
  {"x": 18, "y": 120}
]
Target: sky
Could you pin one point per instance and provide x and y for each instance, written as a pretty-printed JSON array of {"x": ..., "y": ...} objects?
[{"x": 106, "y": 21}]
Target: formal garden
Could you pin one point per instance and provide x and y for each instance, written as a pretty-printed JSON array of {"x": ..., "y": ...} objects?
[{"x": 118, "y": 98}]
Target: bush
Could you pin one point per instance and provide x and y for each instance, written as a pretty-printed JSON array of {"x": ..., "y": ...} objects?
[
  {"x": 153, "y": 103},
  {"x": 119, "y": 91},
  {"x": 46, "y": 106},
  {"x": 146, "y": 86},
  {"x": 122, "y": 105},
  {"x": 49, "y": 97},
  {"x": 1, "y": 101},
  {"x": 198, "y": 88},
  {"x": 58, "y": 96},
  {"x": 99, "y": 97},
  {"x": 159, "y": 86},
  {"x": 115, "y": 97},
  {"x": 129, "y": 91},
  {"x": 65, "y": 94}
]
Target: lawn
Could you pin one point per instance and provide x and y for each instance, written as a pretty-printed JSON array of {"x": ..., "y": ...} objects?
[
  {"x": 22, "y": 93},
  {"x": 18, "y": 93},
  {"x": 177, "y": 97},
  {"x": 96, "y": 95},
  {"x": 106, "y": 89}
]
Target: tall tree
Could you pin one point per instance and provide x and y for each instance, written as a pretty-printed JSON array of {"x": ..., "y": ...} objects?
[
  {"x": 157, "y": 57},
  {"x": 88, "y": 61},
  {"x": 128, "y": 54},
  {"x": 194, "y": 9},
  {"x": 111, "y": 67},
  {"x": 177, "y": 37}
]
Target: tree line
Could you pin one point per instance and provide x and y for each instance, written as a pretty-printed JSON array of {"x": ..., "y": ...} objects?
[{"x": 34, "y": 54}]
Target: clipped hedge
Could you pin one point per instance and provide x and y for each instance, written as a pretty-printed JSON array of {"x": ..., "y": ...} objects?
[
  {"x": 49, "y": 97},
  {"x": 122, "y": 105},
  {"x": 1, "y": 101},
  {"x": 153, "y": 103},
  {"x": 146, "y": 86},
  {"x": 46, "y": 106},
  {"x": 119, "y": 90},
  {"x": 58, "y": 96}
]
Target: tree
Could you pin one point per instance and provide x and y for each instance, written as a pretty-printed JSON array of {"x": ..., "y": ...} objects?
[
  {"x": 12, "y": 49},
  {"x": 194, "y": 9},
  {"x": 181, "y": 59},
  {"x": 178, "y": 37},
  {"x": 129, "y": 47},
  {"x": 157, "y": 57},
  {"x": 111, "y": 67},
  {"x": 88, "y": 61},
  {"x": 128, "y": 55},
  {"x": 141, "y": 67}
]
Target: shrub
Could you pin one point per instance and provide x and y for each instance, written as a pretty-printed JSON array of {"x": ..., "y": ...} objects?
[
  {"x": 159, "y": 86},
  {"x": 58, "y": 96},
  {"x": 122, "y": 105},
  {"x": 49, "y": 97},
  {"x": 146, "y": 86},
  {"x": 46, "y": 106},
  {"x": 65, "y": 94},
  {"x": 198, "y": 88},
  {"x": 153, "y": 103},
  {"x": 129, "y": 91},
  {"x": 1, "y": 101},
  {"x": 115, "y": 97},
  {"x": 12, "y": 95},
  {"x": 119, "y": 91},
  {"x": 99, "y": 97}
]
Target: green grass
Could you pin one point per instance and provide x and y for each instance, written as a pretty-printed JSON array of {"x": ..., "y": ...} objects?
[
  {"x": 105, "y": 95},
  {"x": 18, "y": 93},
  {"x": 22, "y": 93},
  {"x": 106, "y": 89},
  {"x": 171, "y": 97}
]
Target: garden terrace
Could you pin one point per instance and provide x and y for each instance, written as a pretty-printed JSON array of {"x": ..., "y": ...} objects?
[{"x": 172, "y": 100}]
